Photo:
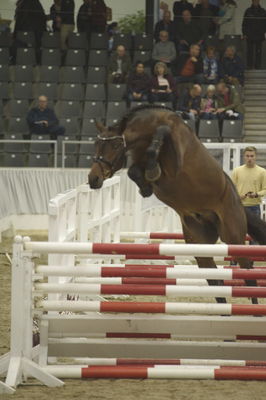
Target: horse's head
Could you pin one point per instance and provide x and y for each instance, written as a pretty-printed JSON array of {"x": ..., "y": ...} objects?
[{"x": 109, "y": 155}]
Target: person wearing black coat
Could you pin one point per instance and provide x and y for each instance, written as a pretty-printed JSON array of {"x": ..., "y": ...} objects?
[
  {"x": 206, "y": 13},
  {"x": 179, "y": 7},
  {"x": 30, "y": 16},
  {"x": 253, "y": 28},
  {"x": 165, "y": 24},
  {"x": 84, "y": 18}
]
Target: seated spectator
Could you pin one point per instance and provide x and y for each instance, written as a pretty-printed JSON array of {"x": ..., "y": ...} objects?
[
  {"x": 164, "y": 50},
  {"x": 119, "y": 66},
  {"x": 226, "y": 19},
  {"x": 205, "y": 13},
  {"x": 233, "y": 67},
  {"x": 55, "y": 15},
  {"x": 163, "y": 87},
  {"x": 189, "y": 103},
  {"x": 190, "y": 66},
  {"x": 165, "y": 24},
  {"x": 179, "y": 7},
  {"x": 208, "y": 105},
  {"x": 84, "y": 17},
  {"x": 211, "y": 66},
  {"x": 43, "y": 121},
  {"x": 229, "y": 102},
  {"x": 138, "y": 84},
  {"x": 187, "y": 32}
]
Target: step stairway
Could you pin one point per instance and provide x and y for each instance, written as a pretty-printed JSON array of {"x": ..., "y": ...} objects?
[{"x": 255, "y": 115}]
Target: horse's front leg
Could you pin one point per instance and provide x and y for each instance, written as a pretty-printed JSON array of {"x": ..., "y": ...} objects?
[
  {"x": 137, "y": 175},
  {"x": 152, "y": 168}
]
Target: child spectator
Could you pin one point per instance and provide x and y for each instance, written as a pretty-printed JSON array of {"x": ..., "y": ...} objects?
[
  {"x": 164, "y": 50},
  {"x": 138, "y": 84},
  {"x": 189, "y": 104},
  {"x": 233, "y": 67},
  {"x": 119, "y": 65},
  {"x": 165, "y": 24},
  {"x": 163, "y": 86},
  {"x": 208, "y": 105},
  {"x": 211, "y": 66},
  {"x": 190, "y": 66}
]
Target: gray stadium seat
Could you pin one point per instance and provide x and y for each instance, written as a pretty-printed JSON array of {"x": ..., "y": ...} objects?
[
  {"x": 232, "y": 130},
  {"x": 51, "y": 40},
  {"x": 26, "y": 56},
  {"x": 38, "y": 160},
  {"x": 98, "y": 58},
  {"x": 68, "y": 109},
  {"x": 71, "y": 91},
  {"x": 94, "y": 109},
  {"x": 4, "y": 55},
  {"x": 142, "y": 41},
  {"x": 51, "y": 57},
  {"x": 48, "y": 73},
  {"x": 99, "y": 41},
  {"x": 95, "y": 92},
  {"x": 72, "y": 75},
  {"x": 26, "y": 38},
  {"x": 96, "y": 75},
  {"x": 4, "y": 72},
  {"x": 115, "y": 109},
  {"x": 22, "y": 73},
  {"x": 209, "y": 130},
  {"x": 77, "y": 40},
  {"x": 75, "y": 57},
  {"x": 22, "y": 90},
  {"x": 116, "y": 92},
  {"x": 16, "y": 108}
]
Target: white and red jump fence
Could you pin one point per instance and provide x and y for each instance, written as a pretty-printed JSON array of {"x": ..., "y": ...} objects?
[{"x": 182, "y": 333}]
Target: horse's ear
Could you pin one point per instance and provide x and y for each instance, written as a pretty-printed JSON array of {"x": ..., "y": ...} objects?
[{"x": 100, "y": 126}]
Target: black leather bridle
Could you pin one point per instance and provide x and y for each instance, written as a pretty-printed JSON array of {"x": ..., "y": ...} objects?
[{"x": 119, "y": 156}]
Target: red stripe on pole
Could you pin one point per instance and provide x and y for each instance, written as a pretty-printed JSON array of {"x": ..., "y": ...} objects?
[
  {"x": 248, "y": 251},
  {"x": 145, "y": 256},
  {"x": 251, "y": 337},
  {"x": 125, "y": 248},
  {"x": 240, "y": 373},
  {"x": 248, "y": 292},
  {"x": 251, "y": 258},
  {"x": 114, "y": 372},
  {"x": 138, "y": 336},
  {"x": 155, "y": 290},
  {"x": 248, "y": 274},
  {"x": 162, "y": 235},
  {"x": 133, "y": 272},
  {"x": 241, "y": 282},
  {"x": 134, "y": 307},
  {"x": 147, "y": 361},
  {"x": 249, "y": 309}
]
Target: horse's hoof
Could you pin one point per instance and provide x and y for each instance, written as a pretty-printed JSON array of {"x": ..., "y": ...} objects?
[
  {"x": 146, "y": 191},
  {"x": 152, "y": 175}
]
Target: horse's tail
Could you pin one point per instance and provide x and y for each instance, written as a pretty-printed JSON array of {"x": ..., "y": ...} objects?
[{"x": 256, "y": 227}]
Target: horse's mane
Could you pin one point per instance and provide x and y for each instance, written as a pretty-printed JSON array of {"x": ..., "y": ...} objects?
[{"x": 120, "y": 126}]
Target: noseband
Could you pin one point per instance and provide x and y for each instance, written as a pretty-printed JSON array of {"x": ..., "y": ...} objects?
[{"x": 101, "y": 160}]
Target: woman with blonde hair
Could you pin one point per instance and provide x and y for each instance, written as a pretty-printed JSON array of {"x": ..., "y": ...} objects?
[{"x": 163, "y": 87}]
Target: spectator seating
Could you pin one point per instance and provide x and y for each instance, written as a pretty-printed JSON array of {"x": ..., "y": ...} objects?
[
  {"x": 98, "y": 58},
  {"x": 124, "y": 39},
  {"x": 22, "y": 73},
  {"x": 48, "y": 73},
  {"x": 51, "y": 40},
  {"x": 40, "y": 147},
  {"x": 96, "y": 75},
  {"x": 209, "y": 130},
  {"x": 22, "y": 90},
  {"x": 49, "y": 89},
  {"x": 99, "y": 41},
  {"x": 38, "y": 160},
  {"x": 88, "y": 129},
  {"x": 16, "y": 108},
  {"x": 14, "y": 160},
  {"x": 232, "y": 130},
  {"x": 116, "y": 92},
  {"x": 77, "y": 40},
  {"x": 26, "y": 56},
  {"x": 25, "y": 39},
  {"x": 71, "y": 91},
  {"x": 68, "y": 109},
  {"x": 4, "y": 72},
  {"x": 51, "y": 56},
  {"x": 115, "y": 109},
  {"x": 94, "y": 109},
  {"x": 5, "y": 39},
  {"x": 13, "y": 147},
  {"x": 4, "y": 56},
  {"x": 76, "y": 57},
  {"x": 72, "y": 74},
  {"x": 95, "y": 92},
  {"x": 142, "y": 42}
]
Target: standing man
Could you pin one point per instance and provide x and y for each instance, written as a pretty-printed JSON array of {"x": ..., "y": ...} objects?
[
  {"x": 250, "y": 181},
  {"x": 253, "y": 28},
  {"x": 43, "y": 121},
  {"x": 67, "y": 21}
]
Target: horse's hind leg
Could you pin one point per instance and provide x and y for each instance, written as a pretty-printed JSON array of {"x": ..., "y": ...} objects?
[
  {"x": 233, "y": 230},
  {"x": 137, "y": 175},
  {"x": 203, "y": 231}
]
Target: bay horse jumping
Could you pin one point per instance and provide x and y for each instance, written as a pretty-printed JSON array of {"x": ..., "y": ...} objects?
[{"x": 170, "y": 161}]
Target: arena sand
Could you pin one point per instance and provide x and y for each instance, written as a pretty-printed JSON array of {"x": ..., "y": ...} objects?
[{"x": 114, "y": 389}]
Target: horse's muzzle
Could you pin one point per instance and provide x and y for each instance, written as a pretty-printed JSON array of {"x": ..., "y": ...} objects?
[{"x": 95, "y": 182}]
